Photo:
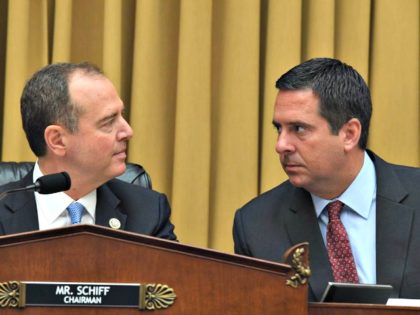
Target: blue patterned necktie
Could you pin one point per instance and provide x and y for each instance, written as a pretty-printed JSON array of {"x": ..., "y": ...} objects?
[{"x": 75, "y": 210}]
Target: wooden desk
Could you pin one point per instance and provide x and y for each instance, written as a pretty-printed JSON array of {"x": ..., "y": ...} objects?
[{"x": 206, "y": 282}]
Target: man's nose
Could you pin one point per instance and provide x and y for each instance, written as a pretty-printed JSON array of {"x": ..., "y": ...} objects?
[
  {"x": 126, "y": 130},
  {"x": 284, "y": 143}
]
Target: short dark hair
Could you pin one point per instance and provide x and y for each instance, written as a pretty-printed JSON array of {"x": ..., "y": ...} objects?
[
  {"x": 45, "y": 101},
  {"x": 342, "y": 92}
]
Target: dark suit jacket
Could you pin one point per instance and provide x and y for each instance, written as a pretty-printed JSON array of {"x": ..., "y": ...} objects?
[
  {"x": 139, "y": 210},
  {"x": 284, "y": 216}
]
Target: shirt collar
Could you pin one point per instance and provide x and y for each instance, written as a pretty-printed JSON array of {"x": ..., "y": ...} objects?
[
  {"x": 53, "y": 205},
  {"x": 359, "y": 195}
]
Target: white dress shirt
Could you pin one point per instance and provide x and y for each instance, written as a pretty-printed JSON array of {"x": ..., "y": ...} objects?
[{"x": 52, "y": 208}]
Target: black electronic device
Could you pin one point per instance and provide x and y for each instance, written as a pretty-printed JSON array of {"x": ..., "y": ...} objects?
[{"x": 357, "y": 293}]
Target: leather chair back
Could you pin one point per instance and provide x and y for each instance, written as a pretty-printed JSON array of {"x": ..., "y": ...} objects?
[{"x": 14, "y": 171}]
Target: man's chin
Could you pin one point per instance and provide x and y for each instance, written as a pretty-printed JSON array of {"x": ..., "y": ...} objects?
[
  {"x": 297, "y": 181},
  {"x": 119, "y": 169}
]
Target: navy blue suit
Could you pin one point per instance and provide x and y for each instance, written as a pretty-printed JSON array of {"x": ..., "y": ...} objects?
[{"x": 139, "y": 210}]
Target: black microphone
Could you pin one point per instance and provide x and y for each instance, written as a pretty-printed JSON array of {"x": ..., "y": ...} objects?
[{"x": 47, "y": 184}]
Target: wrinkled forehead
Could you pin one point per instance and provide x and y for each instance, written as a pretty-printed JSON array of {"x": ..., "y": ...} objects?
[{"x": 95, "y": 96}]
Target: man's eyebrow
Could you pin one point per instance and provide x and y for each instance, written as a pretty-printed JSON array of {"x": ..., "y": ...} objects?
[
  {"x": 111, "y": 116},
  {"x": 300, "y": 123},
  {"x": 292, "y": 123},
  {"x": 107, "y": 118}
]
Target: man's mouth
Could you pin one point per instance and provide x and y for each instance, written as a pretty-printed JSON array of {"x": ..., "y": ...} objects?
[
  {"x": 291, "y": 166},
  {"x": 121, "y": 153}
]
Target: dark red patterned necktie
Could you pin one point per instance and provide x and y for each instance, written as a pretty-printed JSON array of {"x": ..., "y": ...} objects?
[{"x": 339, "y": 250}]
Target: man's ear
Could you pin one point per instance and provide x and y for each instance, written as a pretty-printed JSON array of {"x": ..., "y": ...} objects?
[
  {"x": 55, "y": 138},
  {"x": 351, "y": 132}
]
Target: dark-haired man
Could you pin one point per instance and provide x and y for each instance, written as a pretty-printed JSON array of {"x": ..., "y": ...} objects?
[
  {"x": 73, "y": 119},
  {"x": 360, "y": 214}
]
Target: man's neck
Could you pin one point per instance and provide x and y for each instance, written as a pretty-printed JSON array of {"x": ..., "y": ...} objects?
[
  {"x": 345, "y": 176},
  {"x": 81, "y": 185}
]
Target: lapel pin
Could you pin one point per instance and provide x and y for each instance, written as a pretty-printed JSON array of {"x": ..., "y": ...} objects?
[{"x": 114, "y": 223}]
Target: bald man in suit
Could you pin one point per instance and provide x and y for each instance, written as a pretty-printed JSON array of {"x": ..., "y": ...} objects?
[{"x": 73, "y": 119}]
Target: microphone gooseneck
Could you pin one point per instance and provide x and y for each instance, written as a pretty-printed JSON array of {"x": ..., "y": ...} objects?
[{"x": 47, "y": 184}]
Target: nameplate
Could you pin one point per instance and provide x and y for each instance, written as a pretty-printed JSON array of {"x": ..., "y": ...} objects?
[{"x": 86, "y": 294}]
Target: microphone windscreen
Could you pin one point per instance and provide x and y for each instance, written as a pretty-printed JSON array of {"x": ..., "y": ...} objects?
[{"x": 53, "y": 183}]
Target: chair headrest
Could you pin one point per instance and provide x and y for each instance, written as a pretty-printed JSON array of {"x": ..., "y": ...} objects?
[{"x": 14, "y": 171}]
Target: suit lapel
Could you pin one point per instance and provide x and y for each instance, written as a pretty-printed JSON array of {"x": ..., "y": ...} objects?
[
  {"x": 108, "y": 207},
  {"x": 24, "y": 216},
  {"x": 393, "y": 226},
  {"x": 22, "y": 206},
  {"x": 302, "y": 226},
  {"x": 392, "y": 237}
]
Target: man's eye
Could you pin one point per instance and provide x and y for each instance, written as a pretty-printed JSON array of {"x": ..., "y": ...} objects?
[
  {"x": 108, "y": 124},
  {"x": 299, "y": 129},
  {"x": 277, "y": 128}
]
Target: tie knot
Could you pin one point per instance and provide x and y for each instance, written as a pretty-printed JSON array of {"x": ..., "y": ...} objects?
[
  {"x": 334, "y": 209},
  {"x": 75, "y": 210}
]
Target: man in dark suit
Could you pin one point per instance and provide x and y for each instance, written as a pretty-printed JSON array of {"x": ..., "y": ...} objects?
[
  {"x": 322, "y": 114},
  {"x": 73, "y": 119}
]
